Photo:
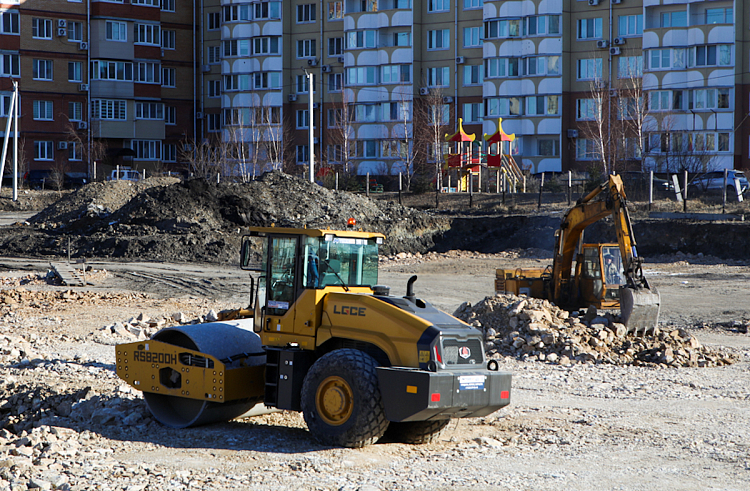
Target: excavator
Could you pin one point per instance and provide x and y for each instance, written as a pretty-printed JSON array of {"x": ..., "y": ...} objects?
[{"x": 605, "y": 275}]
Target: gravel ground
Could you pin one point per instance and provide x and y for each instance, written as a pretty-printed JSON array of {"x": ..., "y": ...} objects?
[{"x": 69, "y": 423}]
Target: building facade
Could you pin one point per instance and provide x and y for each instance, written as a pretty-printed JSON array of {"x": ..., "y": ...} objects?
[{"x": 619, "y": 84}]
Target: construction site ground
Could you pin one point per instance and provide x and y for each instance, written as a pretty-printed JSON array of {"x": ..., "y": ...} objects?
[{"x": 69, "y": 423}]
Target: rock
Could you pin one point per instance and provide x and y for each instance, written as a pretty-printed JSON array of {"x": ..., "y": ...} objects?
[
  {"x": 178, "y": 317},
  {"x": 552, "y": 358},
  {"x": 211, "y": 316}
]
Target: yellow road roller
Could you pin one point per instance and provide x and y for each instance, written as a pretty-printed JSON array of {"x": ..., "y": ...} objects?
[{"x": 320, "y": 336}]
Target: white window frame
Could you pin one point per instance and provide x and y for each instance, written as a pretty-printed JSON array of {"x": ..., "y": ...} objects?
[
  {"x": 41, "y": 28},
  {"x": 168, "y": 77},
  {"x": 146, "y": 149},
  {"x": 116, "y": 31},
  {"x": 438, "y": 39},
  {"x": 306, "y": 13},
  {"x": 109, "y": 109},
  {"x": 306, "y": 48},
  {"x": 472, "y": 37},
  {"x": 76, "y": 68},
  {"x": 147, "y": 34},
  {"x": 43, "y": 70},
  {"x": 438, "y": 5},
  {"x": 149, "y": 110},
  {"x": 586, "y": 30},
  {"x": 168, "y": 38},
  {"x": 43, "y": 111},
  {"x": 44, "y": 150},
  {"x": 75, "y": 111},
  {"x": 10, "y": 22}
]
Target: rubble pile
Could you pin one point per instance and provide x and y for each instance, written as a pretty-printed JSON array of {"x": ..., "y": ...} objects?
[
  {"x": 143, "y": 327},
  {"x": 534, "y": 329}
]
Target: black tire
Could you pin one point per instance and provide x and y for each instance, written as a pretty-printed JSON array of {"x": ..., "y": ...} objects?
[
  {"x": 341, "y": 400},
  {"x": 417, "y": 432}
]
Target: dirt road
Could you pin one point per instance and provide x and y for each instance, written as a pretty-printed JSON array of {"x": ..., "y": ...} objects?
[{"x": 588, "y": 427}]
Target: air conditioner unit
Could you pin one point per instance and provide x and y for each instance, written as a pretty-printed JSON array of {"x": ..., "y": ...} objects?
[
  {"x": 312, "y": 62},
  {"x": 62, "y": 145},
  {"x": 341, "y": 59},
  {"x": 593, "y": 3},
  {"x": 602, "y": 44},
  {"x": 572, "y": 133},
  {"x": 325, "y": 68},
  {"x": 62, "y": 23},
  {"x": 614, "y": 51},
  {"x": 447, "y": 99},
  {"x": 460, "y": 60},
  {"x": 613, "y": 92},
  {"x": 620, "y": 40},
  {"x": 83, "y": 87},
  {"x": 61, "y": 31},
  {"x": 616, "y": 1},
  {"x": 84, "y": 45},
  {"x": 315, "y": 105},
  {"x": 82, "y": 125},
  {"x": 292, "y": 97},
  {"x": 199, "y": 115},
  {"x": 424, "y": 91},
  {"x": 206, "y": 68}
]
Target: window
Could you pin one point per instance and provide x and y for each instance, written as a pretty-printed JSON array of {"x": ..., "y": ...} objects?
[
  {"x": 170, "y": 152},
  {"x": 473, "y": 113},
  {"x": 43, "y": 110},
  {"x": 439, "y": 114},
  {"x": 146, "y": 149},
  {"x": 590, "y": 28},
  {"x": 5, "y": 103},
  {"x": 75, "y": 111},
  {"x": 41, "y": 28},
  {"x": 306, "y": 13},
  {"x": 236, "y": 13},
  {"x": 501, "y": 67},
  {"x": 722, "y": 98},
  {"x": 74, "y": 71},
  {"x": 9, "y": 22},
  {"x": 266, "y": 80},
  {"x": 438, "y": 5},
  {"x": 438, "y": 39},
  {"x": 710, "y": 99},
  {"x": 113, "y": 109},
  {"x": 719, "y": 16},
  {"x": 590, "y": 69},
  {"x": 543, "y": 65},
  {"x": 502, "y": 28},
  {"x": 149, "y": 110},
  {"x": 268, "y": 10},
  {"x": 116, "y": 31},
  {"x": 303, "y": 119},
  {"x": 630, "y": 67},
  {"x": 473, "y": 4},
  {"x": 364, "y": 113},
  {"x": 336, "y": 10},
  {"x": 361, "y": 39},
  {"x": 542, "y": 105},
  {"x": 214, "y": 88},
  {"x": 396, "y": 111},
  {"x": 631, "y": 25},
  {"x": 148, "y": 72},
  {"x": 335, "y": 117},
  {"x": 367, "y": 149},
  {"x": 237, "y": 47},
  {"x": 402, "y": 39},
  {"x": 393, "y": 74},
  {"x": 660, "y": 100},
  {"x": 334, "y": 153},
  {"x": 148, "y": 34},
  {"x": 214, "y": 122},
  {"x": 214, "y": 20},
  {"x": 42, "y": 69},
  {"x": 75, "y": 151},
  {"x": 366, "y": 75},
  {"x": 368, "y": 5},
  {"x": 472, "y": 74},
  {"x": 438, "y": 76},
  {"x": 537, "y": 25},
  {"x": 44, "y": 150},
  {"x": 266, "y": 46},
  {"x": 214, "y": 54},
  {"x": 394, "y": 149},
  {"x": 673, "y": 19},
  {"x": 112, "y": 70},
  {"x": 660, "y": 59},
  {"x": 587, "y": 110},
  {"x": 75, "y": 31},
  {"x": 303, "y": 83},
  {"x": 306, "y": 48},
  {"x": 167, "y": 5},
  {"x": 168, "y": 77},
  {"x": 628, "y": 107},
  {"x": 715, "y": 55},
  {"x": 147, "y": 3},
  {"x": 472, "y": 37},
  {"x": 302, "y": 154},
  {"x": 168, "y": 38},
  {"x": 586, "y": 149},
  {"x": 9, "y": 65},
  {"x": 335, "y": 46},
  {"x": 335, "y": 82},
  {"x": 548, "y": 147}
]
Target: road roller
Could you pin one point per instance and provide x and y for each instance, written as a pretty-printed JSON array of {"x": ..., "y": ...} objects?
[{"x": 321, "y": 336}]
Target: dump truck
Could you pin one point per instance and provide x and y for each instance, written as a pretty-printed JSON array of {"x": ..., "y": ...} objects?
[
  {"x": 320, "y": 336},
  {"x": 604, "y": 275}
]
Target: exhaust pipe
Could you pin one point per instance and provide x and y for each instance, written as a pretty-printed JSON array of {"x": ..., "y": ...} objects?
[{"x": 410, "y": 289}]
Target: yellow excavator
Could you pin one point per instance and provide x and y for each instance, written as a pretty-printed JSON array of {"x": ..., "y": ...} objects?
[
  {"x": 322, "y": 337},
  {"x": 607, "y": 276}
]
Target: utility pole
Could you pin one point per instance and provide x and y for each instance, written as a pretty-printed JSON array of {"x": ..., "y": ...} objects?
[
  {"x": 310, "y": 130},
  {"x": 13, "y": 112}
]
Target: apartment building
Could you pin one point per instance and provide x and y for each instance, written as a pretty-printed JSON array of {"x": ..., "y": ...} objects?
[
  {"x": 114, "y": 72},
  {"x": 640, "y": 83}
]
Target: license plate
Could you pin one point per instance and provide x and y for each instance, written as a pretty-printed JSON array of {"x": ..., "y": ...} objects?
[{"x": 471, "y": 382}]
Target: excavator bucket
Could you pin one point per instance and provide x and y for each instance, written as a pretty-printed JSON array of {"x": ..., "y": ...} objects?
[{"x": 639, "y": 309}]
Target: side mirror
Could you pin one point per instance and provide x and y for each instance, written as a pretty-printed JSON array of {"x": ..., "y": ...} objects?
[{"x": 245, "y": 253}]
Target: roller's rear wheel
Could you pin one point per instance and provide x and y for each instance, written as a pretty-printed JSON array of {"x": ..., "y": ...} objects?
[
  {"x": 341, "y": 400},
  {"x": 417, "y": 432}
]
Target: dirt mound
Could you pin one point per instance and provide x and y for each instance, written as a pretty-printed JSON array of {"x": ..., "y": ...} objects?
[
  {"x": 203, "y": 221},
  {"x": 535, "y": 329}
]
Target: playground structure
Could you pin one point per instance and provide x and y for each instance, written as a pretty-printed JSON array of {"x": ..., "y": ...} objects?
[{"x": 467, "y": 161}]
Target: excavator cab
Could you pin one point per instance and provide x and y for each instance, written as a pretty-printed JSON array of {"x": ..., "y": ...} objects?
[{"x": 601, "y": 275}]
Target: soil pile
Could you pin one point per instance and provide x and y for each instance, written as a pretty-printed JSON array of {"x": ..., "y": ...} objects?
[
  {"x": 534, "y": 329},
  {"x": 197, "y": 220}
]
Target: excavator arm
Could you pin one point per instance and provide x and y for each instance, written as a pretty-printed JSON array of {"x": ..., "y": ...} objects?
[{"x": 639, "y": 303}]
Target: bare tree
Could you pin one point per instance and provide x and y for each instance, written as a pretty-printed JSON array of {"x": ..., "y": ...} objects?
[
  {"x": 277, "y": 134},
  {"x": 599, "y": 128},
  {"x": 432, "y": 117},
  {"x": 342, "y": 149},
  {"x": 634, "y": 115},
  {"x": 203, "y": 157},
  {"x": 92, "y": 150},
  {"x": 408, "y": 151}
]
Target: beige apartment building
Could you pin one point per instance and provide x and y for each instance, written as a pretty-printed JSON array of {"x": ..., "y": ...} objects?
[{"x": 637, "y": 84}]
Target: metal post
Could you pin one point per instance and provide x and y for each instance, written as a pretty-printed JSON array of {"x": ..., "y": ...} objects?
[
  {"x": 504, "y": 186},
  {"x": 570, "y": 187},
  {"x": 684, "y": 192},
  {"x": 650, "y": 189},
  {"x": 524, "y": 184},
  {"x": 311, "y": 153},
  {"x": 497, "y": 183},
  {"x": 337, "y": 181},
  {"x": 724, "y": 199},
  {"x": 15, "y": 141},
  {"x": 94, "y": 176},
  {"x": 541, "y": 188},
  {"x": 399, "y": 188},
  {"x": 471, "y": 189},
  {"x": 118, "y": 173},
  {"x": 367, "y": 185},
  {"x": 11, "y": 111},
  {"x": 68, "y": 250},
  {"x": 218, "y": 178}
]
